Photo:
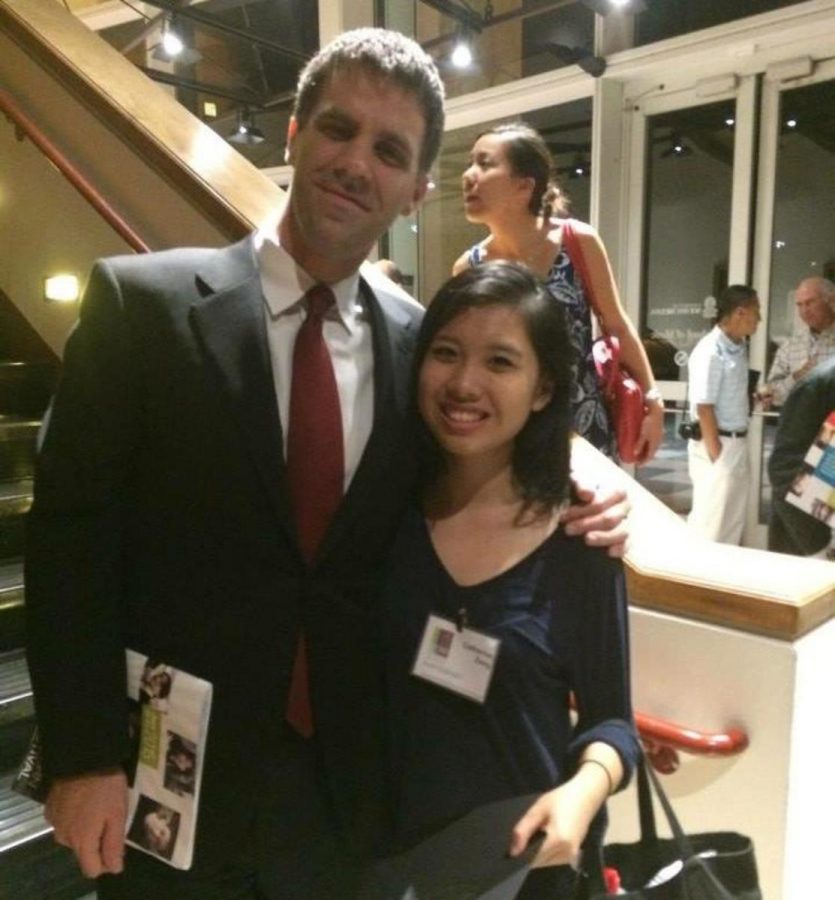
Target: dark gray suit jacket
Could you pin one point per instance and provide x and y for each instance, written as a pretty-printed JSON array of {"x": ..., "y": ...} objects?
[
  {"x": 161, "y": 522},
  {"x": 790, "y": 530}
]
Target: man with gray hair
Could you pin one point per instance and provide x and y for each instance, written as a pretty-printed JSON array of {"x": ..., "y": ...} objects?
[{"x": 813, "y": 343}]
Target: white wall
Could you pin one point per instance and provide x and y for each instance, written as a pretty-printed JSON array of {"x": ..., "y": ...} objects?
[
  {"x": 712, "y": 678},
  {"x": 811, "y": 775}
]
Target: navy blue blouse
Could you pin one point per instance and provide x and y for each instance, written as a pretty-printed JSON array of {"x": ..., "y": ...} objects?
[{"x": 561, "y": 616}]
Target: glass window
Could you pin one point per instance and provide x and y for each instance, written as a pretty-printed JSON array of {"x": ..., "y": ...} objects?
[
  {"x": 804, "y": 230},
  {"x": 674, "y": 17},
  {"x": 506, "y": 39},
  {"x": 689, "y": 176},
  {"x": 445, "y": 233},
  {"x": 804, "y": 195},
  {"x": 689, "y": 190}
]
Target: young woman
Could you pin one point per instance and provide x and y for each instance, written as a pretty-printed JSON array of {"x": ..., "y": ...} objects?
[
  {"x": 509, "y": 187},
  {"x": 493, "y": 615}
]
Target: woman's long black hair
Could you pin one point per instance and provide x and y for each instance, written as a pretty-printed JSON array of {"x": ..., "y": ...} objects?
[{"x": 541, "y": 453}]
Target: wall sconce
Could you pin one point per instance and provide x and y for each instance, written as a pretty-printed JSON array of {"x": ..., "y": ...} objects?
[{"x": 61, "y": 288}]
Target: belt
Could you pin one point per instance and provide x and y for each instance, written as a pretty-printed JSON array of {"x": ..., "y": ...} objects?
[{"x": 733, "y": 434}]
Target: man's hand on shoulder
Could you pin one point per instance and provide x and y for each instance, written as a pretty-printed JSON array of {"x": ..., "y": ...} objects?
[
  {"x": 600, "y": 516},
  {"x": 88, "y": 813}
]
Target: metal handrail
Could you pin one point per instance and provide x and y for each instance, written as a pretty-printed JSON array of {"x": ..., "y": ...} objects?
[
  {"x": 663, "y": 740},
  {"x": 26, "y": 127}
]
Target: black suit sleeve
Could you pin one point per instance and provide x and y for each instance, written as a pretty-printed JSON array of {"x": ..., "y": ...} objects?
[
  {"x": 791, "y": 530},
  {"x": 74, "y": 542},
  {"x": 600, "y": 667}
]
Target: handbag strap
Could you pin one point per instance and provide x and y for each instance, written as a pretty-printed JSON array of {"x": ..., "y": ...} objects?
[
  {"x": 646, "y": 811},
  {"x": 593, "y": 883},
  {"x": 571, "y": 243},
  {"x": 683, "y": 844}
]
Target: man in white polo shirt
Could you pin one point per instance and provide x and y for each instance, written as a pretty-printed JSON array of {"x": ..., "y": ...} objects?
[{"x": 719, "y": 403}]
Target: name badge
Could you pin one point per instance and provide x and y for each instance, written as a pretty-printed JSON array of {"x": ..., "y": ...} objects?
[{"x": 461, "y": 661}]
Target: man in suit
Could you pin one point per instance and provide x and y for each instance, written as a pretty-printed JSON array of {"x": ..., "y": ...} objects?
[
  {"x": 811, "y": 400},
  {"x": 164, "y": 518}
]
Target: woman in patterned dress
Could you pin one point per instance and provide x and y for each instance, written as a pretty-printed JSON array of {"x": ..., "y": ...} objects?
[{"x": 508, "y": 186}]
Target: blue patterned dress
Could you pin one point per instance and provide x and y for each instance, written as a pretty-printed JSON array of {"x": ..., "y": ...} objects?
[{"x": 590, "y": 418}]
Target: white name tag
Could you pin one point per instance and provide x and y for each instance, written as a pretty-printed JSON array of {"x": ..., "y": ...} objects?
[{"x": 461, "y": 661}]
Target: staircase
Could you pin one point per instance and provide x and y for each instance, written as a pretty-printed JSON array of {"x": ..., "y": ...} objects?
[{"x": 32, "y": 867}]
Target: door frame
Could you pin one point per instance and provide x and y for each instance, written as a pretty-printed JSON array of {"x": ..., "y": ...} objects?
[{"x": 779, "y": 77}]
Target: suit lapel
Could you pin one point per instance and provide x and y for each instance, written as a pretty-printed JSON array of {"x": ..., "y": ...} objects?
[
  {"x": 393, "y": 337},
  {"x": 229, "y": 322}
]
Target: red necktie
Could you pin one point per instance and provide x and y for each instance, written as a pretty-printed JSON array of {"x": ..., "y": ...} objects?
[{"x": 315, "y": 467}]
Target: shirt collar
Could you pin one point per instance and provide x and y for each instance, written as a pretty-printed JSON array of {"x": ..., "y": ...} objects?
[
  {"x": 284, "y": 282},
  {"x": 828, "y": 332},
  {"x": 726, "y": 344}
]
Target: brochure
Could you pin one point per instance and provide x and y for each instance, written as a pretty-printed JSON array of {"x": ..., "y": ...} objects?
[
  {"x": 813, "y": 489},
  {"x": 168, "y": 719}
]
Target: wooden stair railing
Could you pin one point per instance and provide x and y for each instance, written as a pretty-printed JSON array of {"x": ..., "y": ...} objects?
[{"x": 25, "y": 127}]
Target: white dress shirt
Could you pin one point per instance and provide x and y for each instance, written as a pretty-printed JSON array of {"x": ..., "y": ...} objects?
[{"x": 347, "y": 333}]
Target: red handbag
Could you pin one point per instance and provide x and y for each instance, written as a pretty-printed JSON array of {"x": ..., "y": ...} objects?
[{"x": 623, "y": 396}]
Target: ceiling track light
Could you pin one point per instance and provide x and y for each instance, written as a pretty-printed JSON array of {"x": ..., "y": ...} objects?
[
  {"x": 678, "y": 148},
  {"x": 585, "y": 59},
  {"x": 604, "y": 7},
  {"x": 462, "y": 50},
  {"x": 461, "y": 13},
  {"x": 580, "y": 168},
  {"x": 172, "y": 47},
  {"x": 172, "y": 43},
  {"x": 247, "y": 132}
]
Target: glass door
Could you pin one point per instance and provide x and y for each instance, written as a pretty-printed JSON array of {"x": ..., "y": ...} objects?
[
  {"x": 795, "y": 229},
  {"x": 689, "y": 237}
]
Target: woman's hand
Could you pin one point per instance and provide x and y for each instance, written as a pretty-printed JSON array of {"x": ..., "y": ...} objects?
[
  {"x": 564, "y": 814},
  {"x": 651, "y": 434}
]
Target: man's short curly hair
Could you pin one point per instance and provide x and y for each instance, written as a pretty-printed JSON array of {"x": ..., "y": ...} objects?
[{"x": 390, "y": 55}]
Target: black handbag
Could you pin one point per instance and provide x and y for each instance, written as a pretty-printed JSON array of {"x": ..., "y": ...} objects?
[{"x": 710, "y": 866}]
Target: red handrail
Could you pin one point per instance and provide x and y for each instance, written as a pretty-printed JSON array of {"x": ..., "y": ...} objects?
[
  {"x": 663, "y": 739},
  {"x": 27, "y": 127}
]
